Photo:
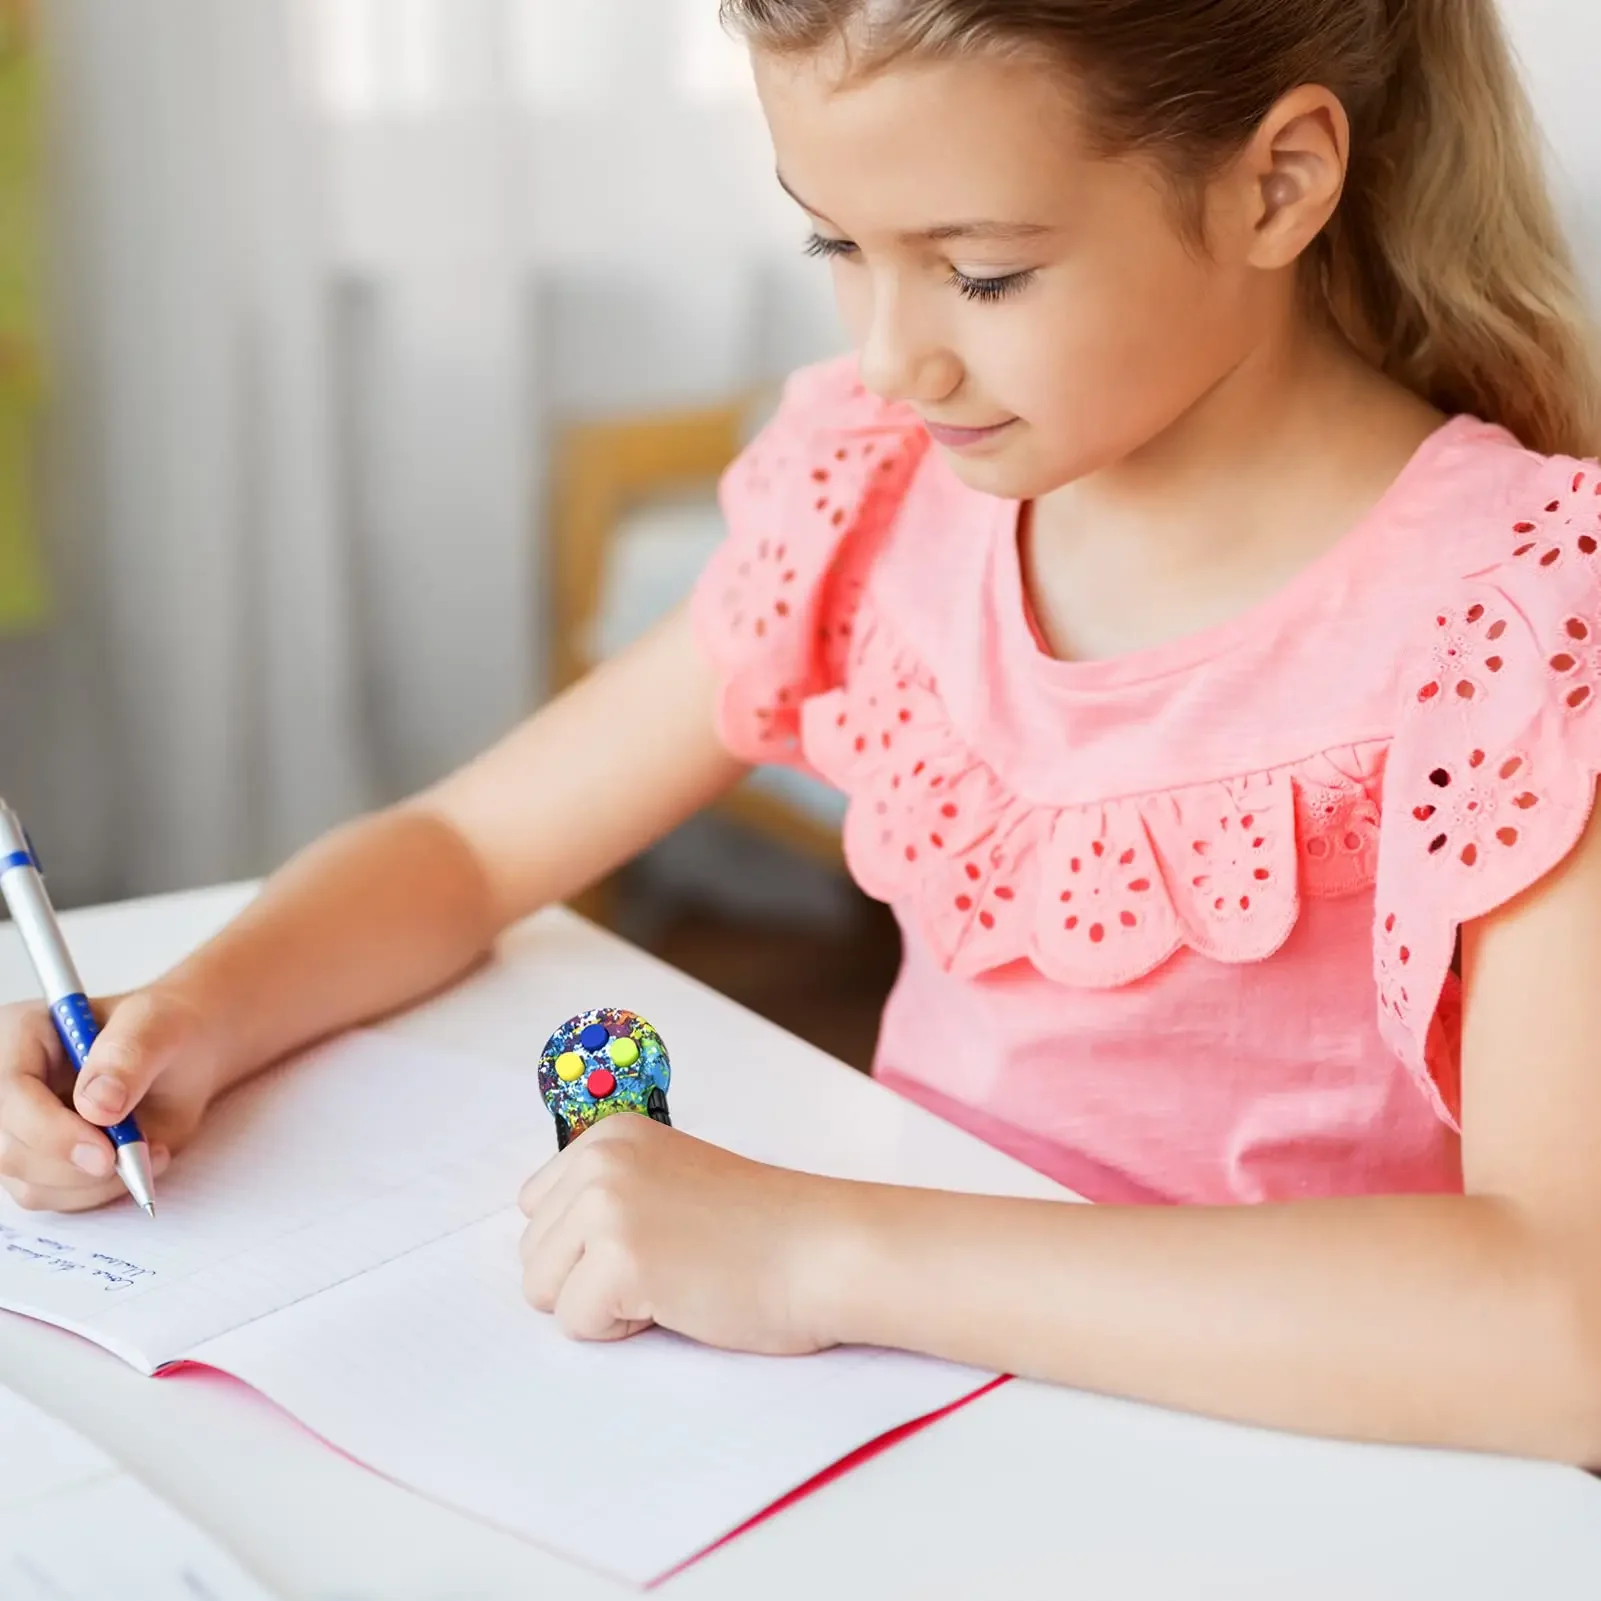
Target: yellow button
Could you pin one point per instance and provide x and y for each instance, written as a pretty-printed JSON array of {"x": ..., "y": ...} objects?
[
  {"x": 570, "y": 1068},
  {"x": 623, "y": 1052}
]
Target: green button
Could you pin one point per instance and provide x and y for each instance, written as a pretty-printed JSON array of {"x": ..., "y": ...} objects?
[{"x": 623, "y": 1052}]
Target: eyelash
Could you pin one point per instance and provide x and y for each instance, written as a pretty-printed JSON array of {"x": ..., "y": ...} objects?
[{"x": 988, "y": 290}]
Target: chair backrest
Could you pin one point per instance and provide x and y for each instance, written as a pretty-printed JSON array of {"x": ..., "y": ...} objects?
[
  {"x": 604, "y": 470},
  {"x": 601, "y": 469}
]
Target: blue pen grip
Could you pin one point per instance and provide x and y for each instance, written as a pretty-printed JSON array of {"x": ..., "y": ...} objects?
[{"x": 76, "y": 1025}]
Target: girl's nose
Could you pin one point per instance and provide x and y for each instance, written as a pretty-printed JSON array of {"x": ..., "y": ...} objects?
[{"x": 903, "y": 364}]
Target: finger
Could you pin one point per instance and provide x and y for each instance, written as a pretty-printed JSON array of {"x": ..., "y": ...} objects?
[
  {"x": 26, "y": 1166},
  {"x": 83, "y": 1197},
  {"x": 610, "y": 1141},
  {"x": 48, "y": 1198},
  {"x": 593, "y": 1304},
  {"x": 33, "y": 1119},
  {"x": 30, "y": 1046},
  {"x": 550, "y": 1253},
  {"x": 136, "y": 1045},
  {"x": 542, "y": 1184}
]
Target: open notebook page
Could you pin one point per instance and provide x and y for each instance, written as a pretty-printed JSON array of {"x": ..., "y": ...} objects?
[
  {"x": 304, "y": 1177},
  {"x": 56, "y": 1488},
  {"x": 382, "y": 1141},
  {"x": 339, "y": 1237},
  {"x": 630, "y": 1458}
]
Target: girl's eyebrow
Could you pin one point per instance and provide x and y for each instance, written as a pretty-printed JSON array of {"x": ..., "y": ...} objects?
[{"x": 940, "y": 231}]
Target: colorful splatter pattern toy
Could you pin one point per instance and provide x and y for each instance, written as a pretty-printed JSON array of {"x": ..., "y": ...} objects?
[{"x": 602, "y": 1062}]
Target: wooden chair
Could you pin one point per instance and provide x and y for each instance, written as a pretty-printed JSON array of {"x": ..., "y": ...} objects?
[{"x": 606, "y": 471}]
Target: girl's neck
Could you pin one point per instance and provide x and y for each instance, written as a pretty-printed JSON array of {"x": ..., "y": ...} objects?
[
  {"x": 1261, "y": 476},
  {"x": 1303, "y": 396}
]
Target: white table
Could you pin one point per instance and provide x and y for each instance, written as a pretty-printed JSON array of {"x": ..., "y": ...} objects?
[{"x": 1029, "y": 1492}]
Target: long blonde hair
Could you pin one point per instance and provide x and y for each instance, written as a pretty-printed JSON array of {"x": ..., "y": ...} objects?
[{"x": 1445, "y": 264}]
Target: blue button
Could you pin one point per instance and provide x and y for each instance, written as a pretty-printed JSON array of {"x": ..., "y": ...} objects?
[{"x": 594, "y": 1037}]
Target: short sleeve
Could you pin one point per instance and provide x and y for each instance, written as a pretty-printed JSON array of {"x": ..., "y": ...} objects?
[
  {"x": 807, "y": 505},
  {"x": 1492, "y": 773}
]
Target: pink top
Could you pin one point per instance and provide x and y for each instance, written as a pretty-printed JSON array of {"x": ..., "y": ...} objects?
[{"x": 1179, "y": 926}]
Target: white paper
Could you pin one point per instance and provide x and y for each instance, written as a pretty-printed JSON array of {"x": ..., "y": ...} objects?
[
  {"x": 306, "y": 1176},
  {"x": 629, "y": 1457},
  {"x": 341, "y": 1237},
  {"x": 75, "y": 1527}
]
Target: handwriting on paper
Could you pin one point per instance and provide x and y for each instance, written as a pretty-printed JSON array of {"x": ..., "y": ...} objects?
[{"x": 58, "y": 1257}]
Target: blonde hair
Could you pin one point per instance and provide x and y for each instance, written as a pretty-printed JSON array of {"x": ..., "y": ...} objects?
[{"x": 1445, "y": 264}]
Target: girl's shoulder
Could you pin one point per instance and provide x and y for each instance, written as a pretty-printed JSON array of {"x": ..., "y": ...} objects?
[
  {"x": 1494, "y": 731},
  {"x": 1474, "y": 498},
  {"x": 810, "y": 506}
]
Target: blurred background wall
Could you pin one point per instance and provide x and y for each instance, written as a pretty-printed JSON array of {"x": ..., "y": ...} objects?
[
  {"x": 327, "y": 281},
  {"x": 325, "y": 274}
]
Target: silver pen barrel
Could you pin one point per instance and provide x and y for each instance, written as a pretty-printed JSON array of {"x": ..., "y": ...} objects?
[
  {"x": 31, "y": 911},
  {"x": 22, "y": 887}
]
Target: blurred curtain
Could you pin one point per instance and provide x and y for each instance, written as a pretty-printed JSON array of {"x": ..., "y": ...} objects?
[
  {"x": 542, "y": 210},
  {"x": 197, "y": 503},
  {"x": 326, "y": 273}
]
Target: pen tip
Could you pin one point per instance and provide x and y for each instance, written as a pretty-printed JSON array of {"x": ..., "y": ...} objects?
[{"x": 133, "y": 1167}]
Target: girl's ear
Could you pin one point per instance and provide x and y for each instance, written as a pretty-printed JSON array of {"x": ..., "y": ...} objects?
[{"x": 1281, "y": 190}]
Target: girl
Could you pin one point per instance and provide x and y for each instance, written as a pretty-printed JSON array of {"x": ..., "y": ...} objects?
[{"x": 1192, "y": 584}]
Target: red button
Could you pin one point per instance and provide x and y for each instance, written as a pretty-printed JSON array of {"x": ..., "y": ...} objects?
[{"x": 600, "y": 1084}]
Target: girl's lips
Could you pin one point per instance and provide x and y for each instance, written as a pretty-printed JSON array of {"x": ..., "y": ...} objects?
[{"x": 959, "y": 438}]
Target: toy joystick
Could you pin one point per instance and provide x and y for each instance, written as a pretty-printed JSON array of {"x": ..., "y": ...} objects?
[{"x": 599, "y": 1063}]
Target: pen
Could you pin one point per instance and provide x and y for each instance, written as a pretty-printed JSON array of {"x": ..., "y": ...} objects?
[{"x": 22, "y": 885}]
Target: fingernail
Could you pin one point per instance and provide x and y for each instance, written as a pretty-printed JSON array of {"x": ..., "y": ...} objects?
[
  {"x": 94, "y": 1160},
  {"x": 106, "y": 1096}
]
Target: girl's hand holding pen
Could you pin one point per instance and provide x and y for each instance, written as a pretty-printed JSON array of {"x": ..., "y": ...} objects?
[{"x": 154, "y": 1056}]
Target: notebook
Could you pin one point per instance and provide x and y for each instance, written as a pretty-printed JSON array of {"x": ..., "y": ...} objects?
[
  {"x": 55, "y": 1487},
  {"x": 341, "y": 1238}
]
